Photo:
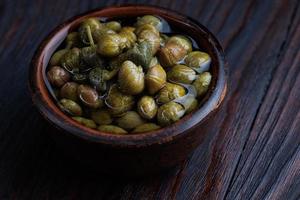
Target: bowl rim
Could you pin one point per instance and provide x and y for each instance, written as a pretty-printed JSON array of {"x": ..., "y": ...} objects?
[{"x": 42, "y": 101}]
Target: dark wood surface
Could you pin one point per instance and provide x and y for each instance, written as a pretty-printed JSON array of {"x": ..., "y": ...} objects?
[{"x": 253, "y": 153}]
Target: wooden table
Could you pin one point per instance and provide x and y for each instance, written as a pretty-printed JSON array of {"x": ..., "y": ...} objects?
[{"x": 253, "y": 151}]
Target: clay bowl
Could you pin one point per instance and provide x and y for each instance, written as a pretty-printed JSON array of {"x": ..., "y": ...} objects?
[{"x": 130, "y": 154}]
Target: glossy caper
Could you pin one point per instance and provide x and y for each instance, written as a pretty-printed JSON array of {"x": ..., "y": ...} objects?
[
  {"x": 69, "y": 91},
  {"x": 198, "y": 60},
  {"x": 87, "y": 30},
  {"x": 110, "y": 45},
  {"x": 57, "y": 76},
  {"x": 128, "y": 36},
  {"x": 150, "y": 19},
  {"x": 170, "y": 92},
  {"x": 112, "y": 129},
  {"x": 192, "y": 106},
  {"x": 169, "y": 113},
  {"x": 71, "y": 60},
  {"x": 57, "y": 56},
  {"x": 131, "y": 78},
  {"x": 202, "y": 83},
  {"x": 130, "y": 120},
  {"x": 147, "y": 107},
  {"x": 181, "y": 74},
  {"x": 71, "y": 107},
  {"x": 117, "y": 102},
  {"x": 155, "y": 79},
  {"x": 113, "y": 25},
  {"x": 102, "y": 117},
  {"x": 86, "y": 122},
  {"x": 89, "y": 96},
  {"x": 149, "y": 34},
  {"x": 145, "y": 128}
]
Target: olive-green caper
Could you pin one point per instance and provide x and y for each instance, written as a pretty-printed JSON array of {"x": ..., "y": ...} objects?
[
  {"x": 112, "y": 129},
  {"x": 155, "y": 79},
  {"x": 192, "y": 106},
  {"x": 87, "y": 30},
  {"x": 169, "y": 113},
  {"x": 117, "y": 102},
  {"x": 56, "y": 57},
  {"x": 73, "y": 40},
  {"x": 86, "y": 122},
  {"x": 89, "y": 96},
  {"x": 113, "y": 25},
  {"x": 130, "y": 120},
  {"x": 69, "y": 91},
  {"x": 202, "y": 83},
  {"x": 170, "y": 92},
  {"x": 149, "y": 34},
  {"x": 147, "y": 107},
  {"x": 131, "y": 78},
  {"x": 198, "y": 60},
  {"x": 145, "y": 128},
  {"x": 71, "y": 107},
  {"x": 181, "y": 74},
  {"x": 110, "y": 45},
  {"x": 90, "y": 57},
  {"x": 102, "y": 117},
  {"x": 182, "y": 41},
  {"x": 128, "y": 36},
  {"x": 71, "y": 60},
  {"x": 57, "y": 76},
  {"x": 150, "y": 19}
]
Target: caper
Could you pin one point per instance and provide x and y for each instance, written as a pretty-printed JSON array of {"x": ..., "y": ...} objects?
[
  {"x": 110, "y": 45},
  {"x": 71, "y": 107},
  {"x": 130, "y": 120},
  {"x": 98, "y": 77},
  {"x": 112, "y": 129},
  {"x": 69, "y": 91},
  {"x": 90, "y": 57},
  {"x": 86, "y": 122},
  {"x": 147, "y": 107},
  {"x": 149, "y": 19},
  {"x": 131, "y": 78},
  {"x": 181, "y": 74},
  {"x": 155, "y": 79},
  {"x": 198, "y": 60},
  {"x": 113, "y": 25},
  {"x": 202, "y": 83},
  {"x": 89, "y": 96},
  {"x": 169, "y": 113},
  {"x": 57, "y": 76},
  {"x": 87, "y": 30},
  {"x": 71, "y": 60},
  {"x": 192, "y": 106},
  {"x": 170, "y": 92},
  {"x": 102, "y": 117},
  {"x": 149, "y": 34},
  {"x": 73, "y": 40},
  {"x": 118, "y": 102},
  {"x": 128, "y": 36},
  {"x": 56, "y": 57},
  {"x": 145, "y": 128}
]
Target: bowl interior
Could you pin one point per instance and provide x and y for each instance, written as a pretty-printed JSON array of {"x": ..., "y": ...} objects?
[{"x": 205, "y": 40}]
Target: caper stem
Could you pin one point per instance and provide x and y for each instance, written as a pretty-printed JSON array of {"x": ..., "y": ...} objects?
[{"x": 89, "y": 34}]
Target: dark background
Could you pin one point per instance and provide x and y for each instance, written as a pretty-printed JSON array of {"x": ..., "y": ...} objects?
[{"x": 253, "y": 151}]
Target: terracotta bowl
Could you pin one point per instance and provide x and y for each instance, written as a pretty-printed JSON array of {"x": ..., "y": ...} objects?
[{"x": 130, "y": 154}]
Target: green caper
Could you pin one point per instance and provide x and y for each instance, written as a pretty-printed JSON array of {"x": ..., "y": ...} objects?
[
  {"x": 149, "y": 34},
  {"x": 102, "y": 117},
  {"x": 198, "y": 60},
  {"x": 181, "y": 74},
  {"x": 130, "y": 120},
  {"x": 117, "y": 102},
  {"x": 145, "y": 128},
  {"x": 128, "y": 36},
  {"x": 193, "y": 105},
  {"x": 147, "y": 107},
  {"x": 86, "y": 122},
  {"x": 169, "y": 113},
  {"x": 87, "y": 30},
  {"x": 112, "y": 129},
  {"x": 149, "y": 19},
  {"x": 69, "y": 91},
  {"x": 71, "y": 107},
  {"x": 71, "y": 60},
  {"x": 131, "y": 78},
  {"x": 56, "y": 57},
  {"x": 89, "y": 96},
  {"x": 73, "y": 40},
  {"x": 202, "y": 83},
  {"x": 57, "y": 76},
  {"x": 90, "y": 57},
  {"x": 113, "y": 25},
  {"x": 110, "y": 45},
  {"x": 170, "y": 92},
  {"x": 98, "y": 77},
  {"x": 155, "y": 79}
]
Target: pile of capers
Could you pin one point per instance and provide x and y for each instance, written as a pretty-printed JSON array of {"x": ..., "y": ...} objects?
[{"x": 128, "y": 79}]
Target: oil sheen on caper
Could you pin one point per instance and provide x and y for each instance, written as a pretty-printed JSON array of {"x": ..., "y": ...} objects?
[{"x": 128, "y": 75}]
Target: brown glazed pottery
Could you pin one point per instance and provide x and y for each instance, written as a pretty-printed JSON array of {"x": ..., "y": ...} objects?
[{"x": 138, "y": 154}]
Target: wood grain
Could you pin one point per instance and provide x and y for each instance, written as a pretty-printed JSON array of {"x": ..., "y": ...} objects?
[{"x": 254, "y": 152}]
